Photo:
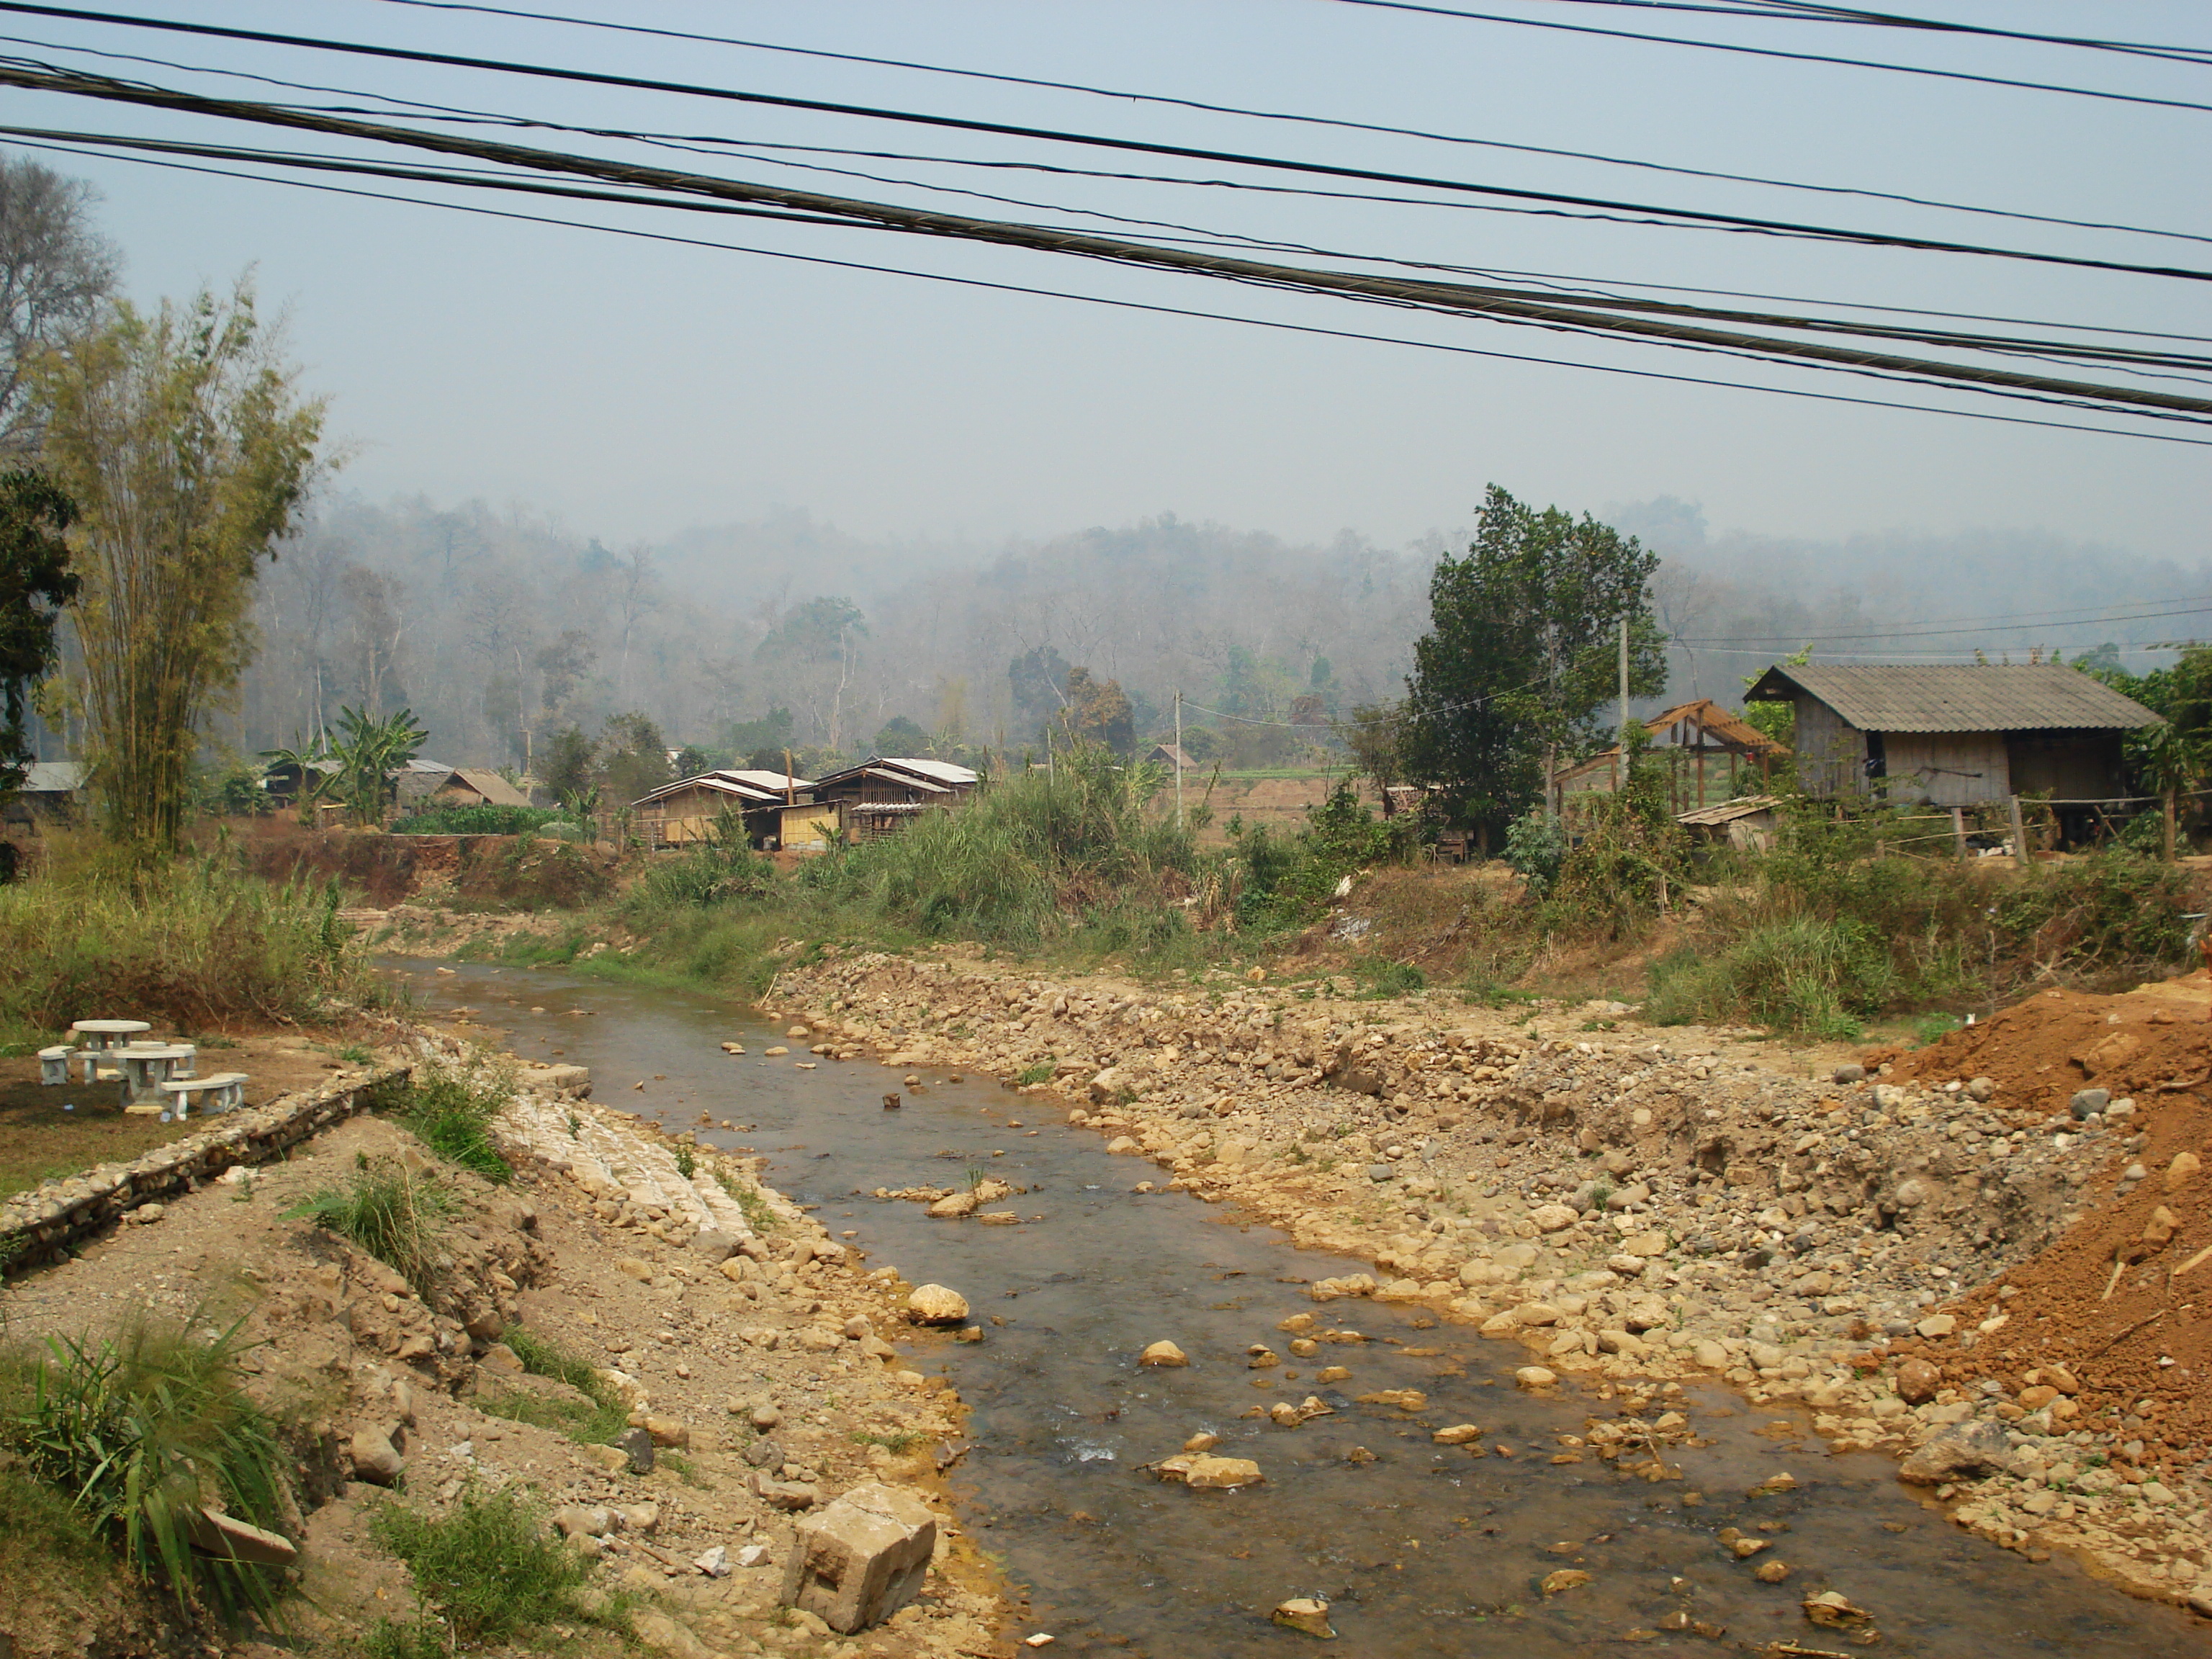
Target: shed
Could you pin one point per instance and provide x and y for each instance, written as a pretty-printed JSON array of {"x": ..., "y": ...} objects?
[
  {"x": 691, "y": 809},
  {"x": 1747, "y": 823},
  {"x": 1711, "y": 753},
  {"x": 1957, "y": 735},
  {"x": 52, "y": 793},
  {"x": 1166, "y": 754},
  {"x": 424, "y": 785},
  {"x": 883, "y": 794}
]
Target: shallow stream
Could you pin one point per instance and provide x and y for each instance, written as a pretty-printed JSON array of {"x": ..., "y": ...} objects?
[{"x": 1424, "y": 1550}]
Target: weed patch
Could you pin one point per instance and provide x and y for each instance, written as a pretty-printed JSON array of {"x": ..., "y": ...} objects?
[
  {"x": 489, "y": 1566},
  {"x": 390, "y": 1211}
]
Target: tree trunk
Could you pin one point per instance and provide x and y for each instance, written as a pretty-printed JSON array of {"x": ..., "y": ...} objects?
[{"x": 2170, "y": 816}]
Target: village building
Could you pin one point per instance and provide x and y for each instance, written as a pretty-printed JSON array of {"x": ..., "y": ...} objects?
[
  {"x": 1967, "y": 735},
  {"x": 1167, "y": 755},
  {"x": 425, "y": 786},
  {"x": 694, "y": 808},
  {"x": 1711, "y": 754},
  {"x": 882, "y": 795},
  {"x": 54, "y": 791}
]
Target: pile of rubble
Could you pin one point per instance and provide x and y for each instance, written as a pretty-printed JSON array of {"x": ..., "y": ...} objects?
[{"x": 1635, "y": 1202}]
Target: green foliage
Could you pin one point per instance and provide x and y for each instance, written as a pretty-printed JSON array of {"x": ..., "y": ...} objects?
[
  {"x": 1392, "y": 979},
  {"x": 758, "y": 1215},
  {"x": 35, "y": 583},
  {"x": 483, "y": 819},
  {"x": 181, "y": 439},
  {"x": 194, "y": 942},
  {"x": 1629, "y": 849},
  {"x": 1840, "y": 923},
  {"x": 635, "y": 758},
  {"x": 1039, "y": 1073},
  {"x": 598, "y": 1420},
  {"x": 900, "y": 736},
  {"x": 1930, "y": 1028},
  {"x": 1520, "y": 659},
  {"x": 138, "y": 1431},
  {"x": 1287, "y": 879},
  {"x": 490, "y": 1565},
  {"x": 570, "y": 759},
  {"x": 369, "y": 750},
  {"x": 1536, "y": 847},
  {"x": 390, "y": 1211},
  {"x": 709, "y": 873},
  {"x": 449, "y": 1108},
  {"x": 687, "y": 1162}
]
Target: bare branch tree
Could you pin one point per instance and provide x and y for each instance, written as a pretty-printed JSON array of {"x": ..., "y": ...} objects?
[{"x": 55, "y": 270}]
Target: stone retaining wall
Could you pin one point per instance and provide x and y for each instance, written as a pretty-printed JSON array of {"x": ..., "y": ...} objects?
[{"x": 37, "y": 1226}]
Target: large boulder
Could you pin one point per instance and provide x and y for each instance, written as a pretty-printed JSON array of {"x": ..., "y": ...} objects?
[
  {"x": 935, "y": 1304},
  {"x": 858, "y": 1561},
  {"x": 1962, "y": 1451}
]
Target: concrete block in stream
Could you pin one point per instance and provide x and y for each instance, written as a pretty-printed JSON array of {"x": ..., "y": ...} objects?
[{"x": 861, "y": 1559}]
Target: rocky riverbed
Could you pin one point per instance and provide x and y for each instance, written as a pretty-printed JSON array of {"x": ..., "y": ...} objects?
[{"x": 1631, "y": 1202}]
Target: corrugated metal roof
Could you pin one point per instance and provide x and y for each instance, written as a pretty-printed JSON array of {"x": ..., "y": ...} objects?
[
  {"x": 1960, "y": 697},
  {"x": 943, "y": 771},
  {"x": 54, "y": 777}
]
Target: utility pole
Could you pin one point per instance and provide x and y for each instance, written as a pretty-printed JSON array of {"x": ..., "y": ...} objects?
[
  {"x": 1620, "y": 747},
  {"x": 1178, "y": 763}
]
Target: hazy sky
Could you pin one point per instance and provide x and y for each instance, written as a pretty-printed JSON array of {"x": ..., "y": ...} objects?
[{"x": 637, "y": 386}]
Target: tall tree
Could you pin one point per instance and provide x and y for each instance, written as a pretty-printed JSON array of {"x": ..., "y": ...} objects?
[
  {"x": 1520, "y": 664},
  {"x": 35, "y": 582},
  {"x": 183, "y": 438},
  {"x": 55, "y": 270}
]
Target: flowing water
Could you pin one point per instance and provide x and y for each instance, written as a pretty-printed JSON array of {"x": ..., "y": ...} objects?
[{"x": 1424, "y": 1549}]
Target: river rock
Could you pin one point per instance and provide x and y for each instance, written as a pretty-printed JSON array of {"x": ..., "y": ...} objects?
[
  {"x": 1844, "y": 1074},
  {"x": 959, "y": 1204},
  {"x": 1307, "y": 1613},
  {"x": 1211, "y": 1473},
  {"x": 1553, "y": 1217},
  {"x": 1963, "y": 1449},
  {"x": 666, "y": 1432},
  {"x": 861, "y": 1559},
  {"x": 1981, "y": 1088},
  {"x": 716, "y": 1247},
  {"x": 2087, "y": 1102},
  {"x": 1164, "y": 1353},
  {"x": 1458, "y": 1435},
  {"x": 1936, "y": 1325},
  {"x": 1917, "y": 1381},
  {"x": 935, "y": 1304},
  {"x": 374, "y": 1458},
  {"x": 1534, "y": 1377},
  {"x": 2181, "y": 1171},
  {"x": 1565, "y": 1578}
]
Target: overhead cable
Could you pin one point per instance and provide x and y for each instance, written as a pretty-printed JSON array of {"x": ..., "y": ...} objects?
[
  {"x": 1768, "y": 51},
  {"x": 1341, "y": 124},
  {"x": 1802, "y": 11},
  {"x": 1148, "y": 307},
  {"x": 1503, "y": 305},
  {"x": 1766, "y": 226}
]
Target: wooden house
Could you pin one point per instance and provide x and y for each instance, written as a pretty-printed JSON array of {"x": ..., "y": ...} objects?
[
  {"x": 691, "y": 809},
  {"x": 424, "y": 786},
  {"x": 1167, "y": 755},
  {"x": 882, "y": 795},
  {"x": 53, "y": 792},
  {"x": 1958, "y": 735},
  {"x": 1747, "y": 824},
  {"x": 1712, "y": 757}
]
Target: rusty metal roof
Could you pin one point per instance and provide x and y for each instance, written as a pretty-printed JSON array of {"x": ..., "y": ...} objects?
[{"x": 1959, "y": 697}]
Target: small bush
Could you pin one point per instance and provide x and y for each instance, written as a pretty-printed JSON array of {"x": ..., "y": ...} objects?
[
  {"x": 1039, "y": 1073},
  {"x": 450, "y": 1110},
  {"x": 687, "y": 1162},
  {"x": 137, "y": 1431},
  {"x": 490, "y": 1565},
  {"x": 483, "y": 820},
  {"x": 388, "y": 1210},
  {"x": 1393, "y": 979}
]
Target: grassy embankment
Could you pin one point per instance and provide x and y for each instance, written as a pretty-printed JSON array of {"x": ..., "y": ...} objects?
[{"x": 1846, "y": 921}]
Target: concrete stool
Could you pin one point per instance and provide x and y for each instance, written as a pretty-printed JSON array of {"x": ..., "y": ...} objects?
[
  {"x": 145, "y": 1064},
  {"x": 223, "y": 1091},
  {"x": 53, "y": 1064}
]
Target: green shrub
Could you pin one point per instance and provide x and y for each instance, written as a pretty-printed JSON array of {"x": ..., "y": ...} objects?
[
  {"x": 1392, "y": 979},
  {"x": 483, "y": 820},
  {"x": 139, "y": 1430},
  {"x": 490, "y": 1565},
  {"x": 390, "y": 1211},
  {"x": 1801, "y": 973},
  {"x": 1039, "y": 1073},
  {"x": 450, "y": 1109}
]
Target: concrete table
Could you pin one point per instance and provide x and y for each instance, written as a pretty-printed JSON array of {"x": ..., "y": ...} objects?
[
  {"x": 98, "y": 1037},
  {"x": 147, "y": 1064}
]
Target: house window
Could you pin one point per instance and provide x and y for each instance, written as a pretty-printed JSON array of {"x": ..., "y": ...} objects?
[{"x": 1877, "y": 756}]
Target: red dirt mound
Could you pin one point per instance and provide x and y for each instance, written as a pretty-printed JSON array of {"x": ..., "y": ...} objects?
[{"x": 2122, "y": 1299}]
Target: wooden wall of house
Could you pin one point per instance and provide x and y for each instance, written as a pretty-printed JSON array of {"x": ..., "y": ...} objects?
[
  {"x": 2068, "y": 765},
  {"x": 1831, "y": 751},
  {"x": 1947, "y": 768}
]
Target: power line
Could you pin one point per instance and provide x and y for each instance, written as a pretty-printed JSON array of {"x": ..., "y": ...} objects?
[
  {"x": 2123, "y": 357},
  {"x": 1136, "y": 305},
  {"x": 1767, "y": 51},
  {"x": 1799, "y": 11},
  {"x": 1050, "y": 135},
  {"x": 1123, "y": 95},
  {"x": 1911, "y": 633}
]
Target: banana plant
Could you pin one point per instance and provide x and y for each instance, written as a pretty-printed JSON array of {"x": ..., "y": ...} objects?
[
  {"x": 369, "y": 750},
  {"x": 311, "y": 764}
]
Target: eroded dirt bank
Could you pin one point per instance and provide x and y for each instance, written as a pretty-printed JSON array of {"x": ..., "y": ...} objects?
[
  {"x": 765, "y": 1363},
  {"x": 1669, "y": 1202}
]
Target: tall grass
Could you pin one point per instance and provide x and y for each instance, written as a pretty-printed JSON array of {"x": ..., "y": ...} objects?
[
  {"x": 194, "y": 943},
  {"x": 481, "y": 820},
  {"x": 137, "y": 1431},
  {"x": 390, "y": 1211},
  {"x": 449, "y": 1108},
  {"x": 489, "y": 1566}
]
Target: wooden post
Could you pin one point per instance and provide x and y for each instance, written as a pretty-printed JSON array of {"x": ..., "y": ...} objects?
[
  {"x": 1620, "y": 744},
  {"x": 1178, "y": 763},
  {"x": 2020, "y": 847},
  {"x": 1959, "y": 830}
]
